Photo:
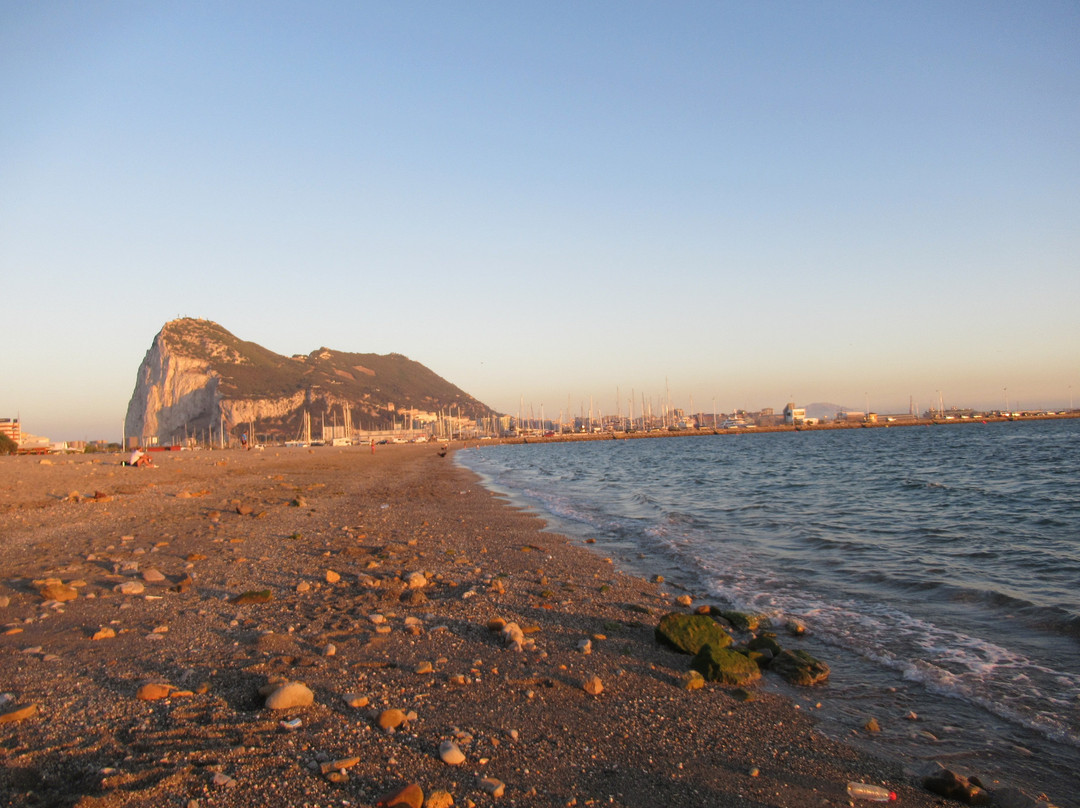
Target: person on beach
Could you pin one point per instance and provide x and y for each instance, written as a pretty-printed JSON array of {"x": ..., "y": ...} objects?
[
  {"x": 139, "y": 458},
  {"x": 243, "y": 440}
]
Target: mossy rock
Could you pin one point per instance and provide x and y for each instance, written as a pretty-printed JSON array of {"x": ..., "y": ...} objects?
[
  {"x": 765, "y": 642},
  {"x": 690, "y": 632},
  {"x": 725, "y": 666},
  {"x": 799, "y": 668},
  {"x": 743, "y": 621},
  {"x": 762, "y": 657}
]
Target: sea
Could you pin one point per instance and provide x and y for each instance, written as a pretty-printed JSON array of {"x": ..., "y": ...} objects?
[{"x": 936, "y": 570}]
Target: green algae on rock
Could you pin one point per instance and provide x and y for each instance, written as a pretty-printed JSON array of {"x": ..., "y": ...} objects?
[
  {"x": 725, "y": 666},
  {"x": 688, "y": 633}
]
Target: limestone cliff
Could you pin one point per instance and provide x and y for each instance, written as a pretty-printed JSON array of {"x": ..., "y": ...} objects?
[{"x": 198, "y": 379}]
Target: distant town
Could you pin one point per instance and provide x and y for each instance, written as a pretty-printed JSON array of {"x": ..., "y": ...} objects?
[{"x": 419, "y": 427}]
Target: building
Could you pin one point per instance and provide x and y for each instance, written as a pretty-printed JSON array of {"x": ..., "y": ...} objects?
[
  {"x": 850, "y": 416},
  {"x": 793, "y": 416},
  {"x": 11, "y": 428}
]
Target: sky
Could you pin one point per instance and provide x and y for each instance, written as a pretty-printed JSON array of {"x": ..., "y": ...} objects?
[{"x": 548, "y": 203}]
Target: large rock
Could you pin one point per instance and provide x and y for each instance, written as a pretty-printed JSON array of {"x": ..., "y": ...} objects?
[
  {"x": 689, "y": 633},
  {"x": 725, "y": 666},
  {"x": 954, "y": 786},
  {"x": 198, "y": 377},
  {"x": 765, "y": 643},
  {"x": 743, "y": 621},
  {"x": 799, "y": 668}
]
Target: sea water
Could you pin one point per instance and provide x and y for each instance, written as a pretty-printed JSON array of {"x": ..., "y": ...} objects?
[{"x": 937, "y": 569}]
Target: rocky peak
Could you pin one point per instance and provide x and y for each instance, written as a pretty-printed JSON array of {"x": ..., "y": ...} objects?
[{"x": 198, "y": 378}]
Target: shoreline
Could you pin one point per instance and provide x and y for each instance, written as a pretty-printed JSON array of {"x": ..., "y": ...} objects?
[
  {"x": 762, "y": 430},
  {"x": 333, "y": 535}
]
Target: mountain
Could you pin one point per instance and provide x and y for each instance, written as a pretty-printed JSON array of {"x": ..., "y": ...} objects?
[
  {"x": 197, "y": 376},
  {"x": 824, "y": 410}
]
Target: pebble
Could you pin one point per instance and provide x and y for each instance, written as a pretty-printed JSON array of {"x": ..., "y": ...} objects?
[
  {"x": 692, "y": 680},
  {"x": 332, "y": 577},
  {"x": 18, "y": 714},
  {"x": 153, "y": 576},
  {"x": 291, "y": 694},
  {"x": 439, "y": 799},
  {"x": 339, "y": 765},
  {"x": 425, "y": 667},
  {"x": 355, "y": 700},
  {"x": 684, "y": 600},
  {"x": 390, "y": 719},
  {"x": 416, "y": 580},
  {"x": 585, "y": 646},
  {"x": 593, "y": 686},
  {"x": 131, "y": 588},
  {"x": 410, "y": 796},
  {"x": 59, "y": 592},
  {"x": 223, "y": 780},
  {"x": 152, "y": 691},
  {"x": 494, "y": 787},
  {"x": 451, "y": 753}
]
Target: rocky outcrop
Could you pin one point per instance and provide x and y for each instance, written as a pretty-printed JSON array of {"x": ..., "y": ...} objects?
[
  {"x": 172, "y": 392},
  {"x": 198, "y": 380}
]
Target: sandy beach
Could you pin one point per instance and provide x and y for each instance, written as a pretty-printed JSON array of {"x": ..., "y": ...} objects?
[{"x": 135, "y": 672}]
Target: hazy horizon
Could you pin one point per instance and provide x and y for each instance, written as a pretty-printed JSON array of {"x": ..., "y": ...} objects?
[{"x": 746, "y": 204}]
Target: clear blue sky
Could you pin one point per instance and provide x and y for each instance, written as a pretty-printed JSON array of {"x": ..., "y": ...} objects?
[{"x": 745, "y": 202}]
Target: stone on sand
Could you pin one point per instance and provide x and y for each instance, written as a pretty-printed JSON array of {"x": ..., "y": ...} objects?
[
  {"x": 59, "y": 592},
  {"x": 18, "y": 713},
  {"x": 689, "y": 633},
  {"x": 725, "y": 666},
  {"x": 439, "y": 799},
  {"x": 409, "y": 796},
  {"x": 494, "y": 787},
  {"x": 451, "y": 753},
  {"x": 390, "y": 719},
  {"x": 289, "y": 695},
  {"x": 152, "y": 691}
]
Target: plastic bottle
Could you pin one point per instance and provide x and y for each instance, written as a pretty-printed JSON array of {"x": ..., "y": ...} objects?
[{"x": 866, "y": 791}]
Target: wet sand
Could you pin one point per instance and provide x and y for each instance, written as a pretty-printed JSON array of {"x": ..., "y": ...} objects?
[{"x": 331, "y": 536}]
